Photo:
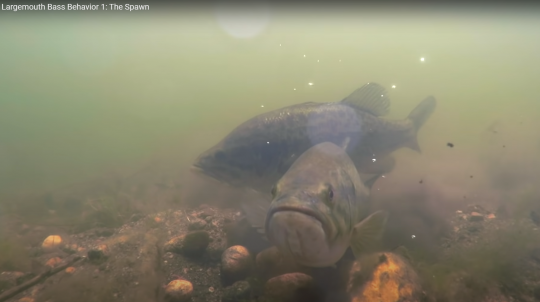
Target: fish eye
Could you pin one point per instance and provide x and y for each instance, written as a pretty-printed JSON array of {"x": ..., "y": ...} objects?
[
  {"x": 273, "y": 191},
  {"x": 330, "y": 194}
]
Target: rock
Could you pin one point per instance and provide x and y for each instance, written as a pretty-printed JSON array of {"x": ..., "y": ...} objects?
[
  {"x": 389, "y": 279},
  {"x": 491, "y": 216},
  {"x": 289, "y": 287},
  {"x": 51, "y": 242},
  {"x": 70, "y": 270},
  {"x": 53, "y": 262},
  {"x": 98, "y": 253},
  {"x": 196, "y": 224},
  {"x": 178, "y": 291},
  {"x": 26, "y": 299},
  {"x": 190, "y": 244},
  {"x": 270, "y": 263},
  {"x": 475, "y": 216},
  {"x": 239, "y": 291},
  {"x": 236, "y": 264}
]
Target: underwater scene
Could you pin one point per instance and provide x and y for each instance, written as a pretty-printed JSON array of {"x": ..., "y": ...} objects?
[{"x": 269, "y": 152}]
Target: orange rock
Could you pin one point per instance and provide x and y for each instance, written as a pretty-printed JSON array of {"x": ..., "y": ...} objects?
[
  {"x": 26, "y": 299},
  {"x": 178, "y": 291},
  {"x": 391, "y": 280},
  {"x": 491, "y": 216},
  {"x": 157, "y": 219},
  {"x": 70, "y": 270},
  {"x": 51, "y": 241},
  {"x": 53, "y": 262}
]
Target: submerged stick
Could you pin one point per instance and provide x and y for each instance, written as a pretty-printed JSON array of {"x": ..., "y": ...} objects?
[{"x": 46, "y": 274}]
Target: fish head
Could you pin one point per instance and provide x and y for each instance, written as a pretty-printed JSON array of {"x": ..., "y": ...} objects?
[
  {"x": 314, "y": 207},
  {"x": 219, "y": 163}
]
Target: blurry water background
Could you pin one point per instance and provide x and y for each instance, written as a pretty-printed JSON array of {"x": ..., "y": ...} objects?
[{"x": 87, "y": 93}]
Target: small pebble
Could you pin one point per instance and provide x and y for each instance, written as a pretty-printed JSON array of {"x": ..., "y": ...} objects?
[{"x": 70, "y": 270}]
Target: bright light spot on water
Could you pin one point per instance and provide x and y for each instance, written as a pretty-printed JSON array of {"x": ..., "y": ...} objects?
[
  {"x": 340, "y": 60},
  {"x": 245, "y": 21},
  {"x": 383, "y": 176},
  {"x": 382, "y": 95},
  {"x": 413, "y": 236},
  {"x": 374, "y": 160},
  {"x": 422, "y": 59},
  {"x": 268, "y": 142},
  {"x": 310, "y": 84},
  {"x": 393, "y": 86},
  {"x": 279, "y": 44},
  {"x": 317, "y": 61},
  {"x": 304, "y": 56},
  {"x": 294, "y": 88},
  {"x": 262, "y": 105}
]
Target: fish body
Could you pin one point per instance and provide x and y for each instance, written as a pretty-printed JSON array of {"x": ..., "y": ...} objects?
[
  {"x": 319, "y": 208},
  {"x": 259, "y": 151}
]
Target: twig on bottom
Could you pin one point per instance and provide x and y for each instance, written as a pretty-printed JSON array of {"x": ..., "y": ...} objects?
[{"x": 46, "y": 274}]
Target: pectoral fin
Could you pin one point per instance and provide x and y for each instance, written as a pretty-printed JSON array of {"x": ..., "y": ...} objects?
[
  {"x": 368, "y": 232},
  {"x": 255, "y": 209}
]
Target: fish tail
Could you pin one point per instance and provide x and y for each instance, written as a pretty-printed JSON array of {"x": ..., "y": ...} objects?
[{"x": 418, "y": 117}]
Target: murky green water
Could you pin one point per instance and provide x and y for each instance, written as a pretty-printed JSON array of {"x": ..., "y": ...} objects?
[{"x": 86, "y": 93}]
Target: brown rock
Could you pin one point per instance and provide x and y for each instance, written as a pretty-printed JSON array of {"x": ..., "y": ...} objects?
[
  {"x": 389, "y": 279},
  {"x": 491, "y": 216},
  {"x": 178, "y": 291},
  {"x": 70, "y": 270},
  {"x": 289, "y": 287},
  {"x": 190, "y": 244},
  {"x": 236, "y": 264},
  {"x": 475, "y": 216},
  {"x": 26, "y": 299},
  {"x": 270, "y": 263}
]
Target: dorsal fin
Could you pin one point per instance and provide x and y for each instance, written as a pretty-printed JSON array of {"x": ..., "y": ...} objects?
[{"x": 371, "y": 98}]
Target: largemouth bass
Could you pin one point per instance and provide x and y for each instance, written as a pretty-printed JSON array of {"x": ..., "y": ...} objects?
[
  {"x": 319, "y": 208},
  {"x": 259, "y": 151}
]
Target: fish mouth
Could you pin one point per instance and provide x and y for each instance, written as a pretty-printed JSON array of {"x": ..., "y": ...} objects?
[{"x": 306, "y": 211}]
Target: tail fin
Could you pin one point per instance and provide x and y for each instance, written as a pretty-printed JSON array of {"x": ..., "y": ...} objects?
[{"x": 418, "y": 117}]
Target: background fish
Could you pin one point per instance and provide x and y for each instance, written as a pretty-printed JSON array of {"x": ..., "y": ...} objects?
[
  {"x": 258, "y": 152},
  {"x": 319, "y": 209}
]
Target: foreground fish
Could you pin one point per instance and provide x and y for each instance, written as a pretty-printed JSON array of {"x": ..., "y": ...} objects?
[
  {"x": 258, "y": 152},
  {"x": 319, "y": 209}
]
